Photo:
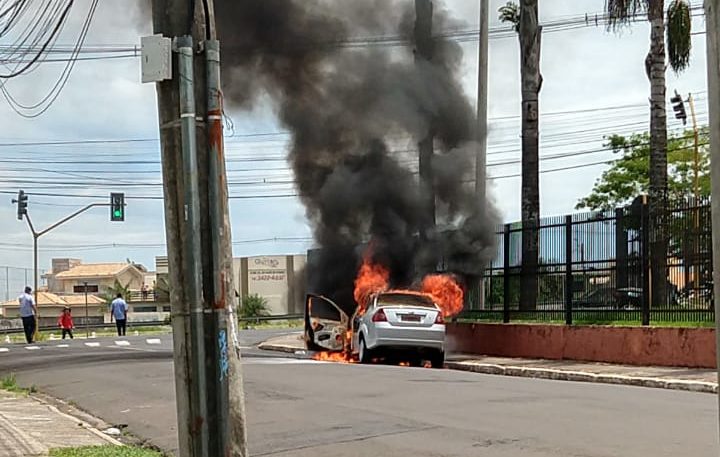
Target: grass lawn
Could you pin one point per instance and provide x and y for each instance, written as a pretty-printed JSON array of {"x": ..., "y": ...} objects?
[{"x": 104, "y": 451}]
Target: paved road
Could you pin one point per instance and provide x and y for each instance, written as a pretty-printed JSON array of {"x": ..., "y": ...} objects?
[{"x": 302, "y": 408}]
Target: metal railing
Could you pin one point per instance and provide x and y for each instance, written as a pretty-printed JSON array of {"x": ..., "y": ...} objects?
[{"x": 597, "y": 268}]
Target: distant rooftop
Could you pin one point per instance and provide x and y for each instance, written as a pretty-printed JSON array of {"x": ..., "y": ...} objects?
[{"x": 94, "y": 270}]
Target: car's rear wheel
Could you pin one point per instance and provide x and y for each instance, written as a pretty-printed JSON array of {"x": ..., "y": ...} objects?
[
  {"x": 364, "y": 354},
  {"x": 438, "y": 360}
]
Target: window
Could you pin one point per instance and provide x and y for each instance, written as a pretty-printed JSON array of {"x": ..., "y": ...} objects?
[{"x": 166, "y": 309}]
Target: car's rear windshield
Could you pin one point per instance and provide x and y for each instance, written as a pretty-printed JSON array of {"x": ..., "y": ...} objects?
[{"x": 403, "y": 299}]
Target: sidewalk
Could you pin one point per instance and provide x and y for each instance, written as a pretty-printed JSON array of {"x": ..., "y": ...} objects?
[
  {"x": 30, "y": 427},
  {"x": 675, "y": 378}
]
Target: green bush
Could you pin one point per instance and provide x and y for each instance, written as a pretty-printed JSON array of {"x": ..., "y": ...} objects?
[{"x": 253, "y": 306}]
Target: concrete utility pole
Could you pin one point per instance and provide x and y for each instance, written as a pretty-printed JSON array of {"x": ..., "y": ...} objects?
[
  {"x": 424, "y": 51},
  {"x": 208, "y": 376},
  {"x": 712, "y": 18},
  {"x": 482, "y": 121},
  {"x": 482, "y": 103}
]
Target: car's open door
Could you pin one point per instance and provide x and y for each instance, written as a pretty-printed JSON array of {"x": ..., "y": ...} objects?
[{"x": 326, "y": 325}]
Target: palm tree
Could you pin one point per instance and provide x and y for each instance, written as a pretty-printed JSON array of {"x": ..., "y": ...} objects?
[
  {"x": 678, "y": 28},
  {"x": 525, "y": 21},
  {"x": 117, "y": 288}
]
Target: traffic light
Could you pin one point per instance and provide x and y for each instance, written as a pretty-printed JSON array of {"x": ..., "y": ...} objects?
[
  {"x": 679, "y": 108},
  {"x": 117, "y": 207},
  {"x": 22, "y": 202}
]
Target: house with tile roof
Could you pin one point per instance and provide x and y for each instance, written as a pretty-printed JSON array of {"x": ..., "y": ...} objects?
[{"x": 99, "y": 276}]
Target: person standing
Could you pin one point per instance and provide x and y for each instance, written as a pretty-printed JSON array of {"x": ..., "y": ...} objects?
[
  {"x": 119, "y": 310},
  {"x": 65, "y": 322},
  {"x": 28, "y": 311}
]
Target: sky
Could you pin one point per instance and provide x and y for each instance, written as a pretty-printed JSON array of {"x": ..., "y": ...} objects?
[{"x": 594, "y": 86}]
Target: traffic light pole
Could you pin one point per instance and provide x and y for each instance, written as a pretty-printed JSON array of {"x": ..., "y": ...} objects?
[{"x": 36, "y": 235}]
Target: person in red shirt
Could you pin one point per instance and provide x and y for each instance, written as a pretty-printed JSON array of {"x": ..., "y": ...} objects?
[{"x": 65, "y": 322}]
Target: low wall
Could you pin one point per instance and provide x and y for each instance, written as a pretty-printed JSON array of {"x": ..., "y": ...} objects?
[{"x": 658, "y": 346}]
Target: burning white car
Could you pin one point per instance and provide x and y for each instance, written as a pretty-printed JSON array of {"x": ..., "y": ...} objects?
[{"x": 405, "y": 325}]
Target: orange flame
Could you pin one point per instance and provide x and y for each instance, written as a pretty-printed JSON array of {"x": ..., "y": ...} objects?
[
  {"x": 445, "y": 292},
  {"x": 339, "y": 357},
  {"x": 371, "y": 279}
]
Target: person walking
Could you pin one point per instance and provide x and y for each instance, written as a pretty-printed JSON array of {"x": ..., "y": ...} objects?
[
  {"x": 65, "y": 322},
  {"x": 118, "y": 310},
  {"x": 28, "y": 312}
]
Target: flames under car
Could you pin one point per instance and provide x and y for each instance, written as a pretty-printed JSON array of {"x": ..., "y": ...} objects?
[{"x": 408, "y": 326}]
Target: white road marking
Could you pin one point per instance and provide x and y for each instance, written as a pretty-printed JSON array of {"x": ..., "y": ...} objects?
[
  {"x": 92, "y": 345},
  {"x": 153, "y": 341},
  {"x": 63, "y": 346},
  {"x": 4, "y": 350},
  {"x": 32, "y": 348},
  {"x": 122, "y": 343}
]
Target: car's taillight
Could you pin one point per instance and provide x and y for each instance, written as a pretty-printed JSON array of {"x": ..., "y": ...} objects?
[
  {"x": 379, "y": 316},
  {"x": 439, "y": 319}
]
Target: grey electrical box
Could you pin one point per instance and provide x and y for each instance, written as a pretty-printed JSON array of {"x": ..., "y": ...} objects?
[{"x": 156, "y": 53}]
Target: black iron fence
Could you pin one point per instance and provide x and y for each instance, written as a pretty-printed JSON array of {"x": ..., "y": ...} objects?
[{"x": 598, "y": 268}]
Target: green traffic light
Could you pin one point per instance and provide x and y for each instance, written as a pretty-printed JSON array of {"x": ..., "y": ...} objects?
[{"x": 118, "y": 213}]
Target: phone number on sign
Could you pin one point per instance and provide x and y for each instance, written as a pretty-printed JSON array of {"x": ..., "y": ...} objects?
[{"x": 268, "y": 277}]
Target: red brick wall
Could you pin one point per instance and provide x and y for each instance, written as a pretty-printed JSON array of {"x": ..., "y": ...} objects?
[{"x": 659, "y": 346}]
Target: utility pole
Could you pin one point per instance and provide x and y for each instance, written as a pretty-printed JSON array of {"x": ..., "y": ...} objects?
[
  {"x": 482, "y": 103},
  {"x": 712, "y": 18},
  {"x": 87, "y": 328},
  {"x": 424, "y": 51},
  {"x": 208, "y": 375},
  {"x": 482, "y": 123}
]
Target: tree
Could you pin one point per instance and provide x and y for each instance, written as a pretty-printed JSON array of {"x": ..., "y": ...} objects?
[
  {"x": 525, "y": 21},
  {"x": 622, "y": 12},
  {"x": 117, "y": 288},
  {"x": 627, "y": 178}
]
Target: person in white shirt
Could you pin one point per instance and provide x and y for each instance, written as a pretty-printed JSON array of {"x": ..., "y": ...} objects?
[
  {"x": 28, "y": 311},
  {"x": 119, "y": 310}
]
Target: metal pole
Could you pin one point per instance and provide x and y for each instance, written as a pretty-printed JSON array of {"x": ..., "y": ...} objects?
[
  {"x": 696, "y": 186},
  {"x": 424, "y": 53},
  {"x": 192, "y": 261},
  {"x": 482, "y": 103},
  {"x": 35, "y": 285},
  {"x": 712, "y": 18},
  {"x": 7, "y": 284},
  {"x": 696, "y": 171},
  {"x": 87, "y": 329}
]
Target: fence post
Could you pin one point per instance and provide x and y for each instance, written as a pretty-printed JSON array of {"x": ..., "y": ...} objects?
[
  {"x": 568, "y": 271},
  {"x": 506, "y": 274},
  {"x": 621, "y": 250},
  {"x": 646, "y": 270}
]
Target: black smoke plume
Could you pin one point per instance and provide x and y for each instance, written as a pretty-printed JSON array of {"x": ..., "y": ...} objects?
[{"x": 356, "y": 113}]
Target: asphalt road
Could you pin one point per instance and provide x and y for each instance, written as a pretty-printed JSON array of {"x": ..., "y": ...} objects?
[{"x": 302, "y": 408}]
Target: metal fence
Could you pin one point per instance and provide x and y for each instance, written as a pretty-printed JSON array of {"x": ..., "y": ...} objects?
[{"x": 597, "y": 268}]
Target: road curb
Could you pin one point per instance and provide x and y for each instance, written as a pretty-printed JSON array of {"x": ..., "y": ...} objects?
[
  {"x": 582, "y": 376},
  {"x": 553, "y": 374},
  {"x": 280, "y": 348}
]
